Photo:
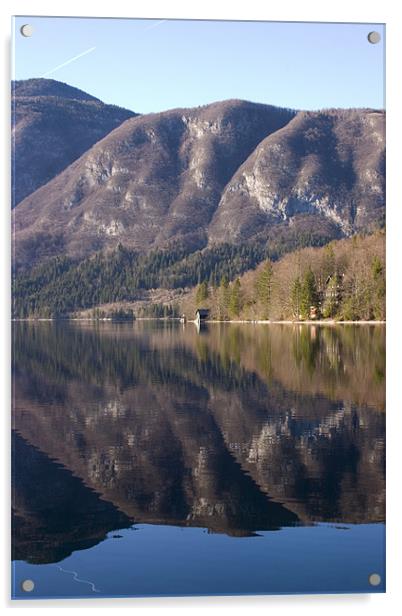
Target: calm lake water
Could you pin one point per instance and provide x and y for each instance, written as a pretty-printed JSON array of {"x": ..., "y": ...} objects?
[{"x": 152, "y": 459}]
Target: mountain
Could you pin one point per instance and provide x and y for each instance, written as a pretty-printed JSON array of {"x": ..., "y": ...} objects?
[
  {"x": 232, "y": 171},
  {"x": 52, "y": 125},
  {"x": 327, "y": 164},
  {"x": 75, "y": 518},
  {"x": 153, "y": 181},
  {"x": 49, "y": 87}
]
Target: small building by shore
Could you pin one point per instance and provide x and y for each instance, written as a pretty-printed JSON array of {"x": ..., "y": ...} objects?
[{"x": 201, "y": 315}]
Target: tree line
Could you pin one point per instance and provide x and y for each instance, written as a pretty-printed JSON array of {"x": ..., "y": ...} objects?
[
  {"x": 61, "y": 285},
  {"x": 344, "y": 280}
]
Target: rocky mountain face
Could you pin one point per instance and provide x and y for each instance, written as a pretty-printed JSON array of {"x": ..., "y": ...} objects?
[
  {"x": 74, "y": 517},
  {"x": 155, "y": 180},
  {"x": 327, "y": 164},
  {"x": 52, "y": 125},
  {"x": 230, "y": 172}
]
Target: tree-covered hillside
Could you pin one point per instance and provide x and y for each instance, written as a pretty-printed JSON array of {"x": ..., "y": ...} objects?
[
  {"x": 62, "y": 285},
  {"x": 344, "y": 280}
]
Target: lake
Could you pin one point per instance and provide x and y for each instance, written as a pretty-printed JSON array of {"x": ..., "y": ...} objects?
[{"x": 150, "y": 458}]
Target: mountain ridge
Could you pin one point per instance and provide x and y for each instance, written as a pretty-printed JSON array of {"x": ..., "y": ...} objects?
[
  {"x": 149, "y": 176},
  {"x": 52, "y": 125},
  {"x": 231, "y": 172},
  {"x": 49, "y": 87},
  {"x": 319, "y": 175}
]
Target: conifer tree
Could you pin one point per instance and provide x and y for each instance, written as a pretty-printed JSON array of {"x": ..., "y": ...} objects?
[
  {"x": 378, "y": 299},
  {"x": 263, "y": 287},
  {"x": 202, "y": 292},
  {"x": 223, "y": 298},
  {"x": 331, "y": 297},
  {"x": 235, "y": 299},
  {"x": 295, "y": 297},
  {"x": 309, "y": 296}
]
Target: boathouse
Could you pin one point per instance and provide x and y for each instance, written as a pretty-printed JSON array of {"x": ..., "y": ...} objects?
[{"x": 201, "y": 315}]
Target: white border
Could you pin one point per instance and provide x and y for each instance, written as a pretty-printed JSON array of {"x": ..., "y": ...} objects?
[{"x": 283, "y": 10}]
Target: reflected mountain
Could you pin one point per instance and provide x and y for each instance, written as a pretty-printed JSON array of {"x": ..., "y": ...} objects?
[
  {"x": 53, "y": 513},
  {"x": 242, "y": 429}
]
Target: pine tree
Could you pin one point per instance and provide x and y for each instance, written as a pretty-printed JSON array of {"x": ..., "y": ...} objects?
[
  {"x": 223, "y": 298},
  {"x": 331, "y": 297},
  {"x": 202, "y": 292},
  {"x": 309, "y": 295},
  {"x": 263, "y": 287},
  {"x": 329, "y": 262},
  {"x": 234, "y": 306},
  {"x": 216, "y": 276},
  {"x": 224, "y": 282},
  {"x": 295, "y": 297},
  {"x": 378, "y": 299}
]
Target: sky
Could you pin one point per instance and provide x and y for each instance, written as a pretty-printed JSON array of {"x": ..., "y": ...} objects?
[{"x": 154, "y": 65}]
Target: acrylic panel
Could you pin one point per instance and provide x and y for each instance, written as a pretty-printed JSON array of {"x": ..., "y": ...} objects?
[{"x": 198, "y": 217}]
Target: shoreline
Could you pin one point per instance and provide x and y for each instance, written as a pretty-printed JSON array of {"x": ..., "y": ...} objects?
[
  {"x": 307, "y": 322},
  {"x": 238, "y": 321}
]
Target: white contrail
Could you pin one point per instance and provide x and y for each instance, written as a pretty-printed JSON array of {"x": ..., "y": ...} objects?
[
  {"x": 156, "y": 24},
  {"x": 56, "y": 68}
]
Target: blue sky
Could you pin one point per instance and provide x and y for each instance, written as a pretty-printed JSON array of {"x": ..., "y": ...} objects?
[{"x": 153, "y": 65}]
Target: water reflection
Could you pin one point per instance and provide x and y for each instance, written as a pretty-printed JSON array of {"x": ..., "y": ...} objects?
[{"x": 242, "y": 429}]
